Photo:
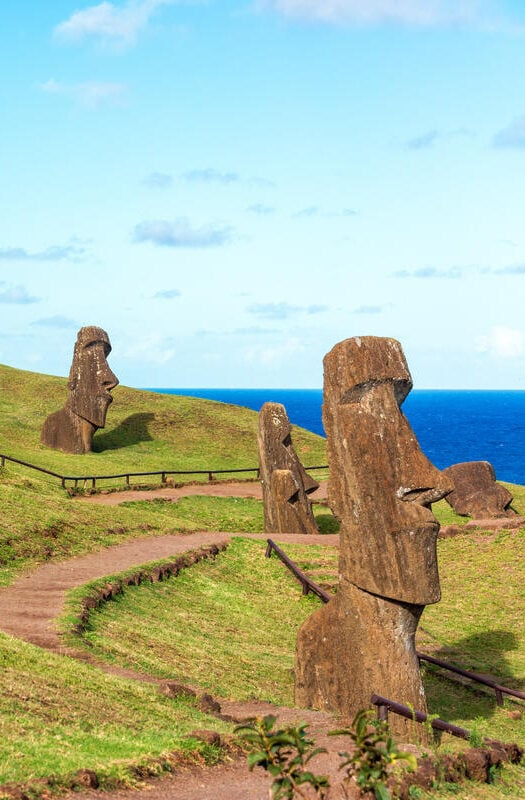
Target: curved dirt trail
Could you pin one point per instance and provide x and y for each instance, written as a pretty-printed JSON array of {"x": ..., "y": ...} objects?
[{"x": 30, "y": 607}]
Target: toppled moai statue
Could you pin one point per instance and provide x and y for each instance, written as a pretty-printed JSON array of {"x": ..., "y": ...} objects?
[
  {"x": 476, "y": 493},
  {"x": 285, "y": 482},
  {"x": 90, "y": 382},
  {"x": 381, "y": 487}
]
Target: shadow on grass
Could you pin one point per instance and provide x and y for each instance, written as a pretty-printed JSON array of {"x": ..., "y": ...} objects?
[
  {"x": 131, "y": 430},
  {"x": 326, "y": 522},
  {"x": 482, "y": 653}
]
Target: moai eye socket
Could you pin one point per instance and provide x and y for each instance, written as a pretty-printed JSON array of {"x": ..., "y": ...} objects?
[{"x": 357, "y": 393}]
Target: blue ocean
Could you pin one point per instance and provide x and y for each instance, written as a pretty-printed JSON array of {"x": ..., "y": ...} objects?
[{"x": 451, "y": 426}]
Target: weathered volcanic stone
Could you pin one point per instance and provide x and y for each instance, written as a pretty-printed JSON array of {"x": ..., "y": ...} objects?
[
  {"x": 285, "y": 482},
  {"x": 476, "y": 493},
  {"x": 90, "y": 382},
  {"x": 381, "y": 486}
]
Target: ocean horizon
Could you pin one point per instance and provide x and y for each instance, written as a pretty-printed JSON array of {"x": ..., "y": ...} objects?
[{"x": 452, "y": 425}]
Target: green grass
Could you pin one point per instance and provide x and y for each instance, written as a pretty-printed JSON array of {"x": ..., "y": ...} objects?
[
  {"x": 227, "y": 626},
  {"x": 58, "y": 715},
  {"x": 227, "y": 634},
  {"x": 231, "y": 514},
  {"x": 144, "y": 430}
]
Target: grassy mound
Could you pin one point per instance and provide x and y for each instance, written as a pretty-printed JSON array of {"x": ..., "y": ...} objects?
[{"x": 144, "y": 432}]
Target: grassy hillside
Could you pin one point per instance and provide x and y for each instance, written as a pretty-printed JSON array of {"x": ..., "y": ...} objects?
[
  {"x": 51, "y": 717},
  {"x": 144, "y": 430}
]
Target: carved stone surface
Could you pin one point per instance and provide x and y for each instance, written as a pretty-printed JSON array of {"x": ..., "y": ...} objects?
[
  {"x": 381, "y": 486},
  {"x": 90, "y": 382},
  {"x": 285, "y": 482},
  {"x": 476, "y": 493}
]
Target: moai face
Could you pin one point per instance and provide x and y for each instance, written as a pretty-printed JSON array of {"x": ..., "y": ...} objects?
[
  {"x": 275, "y": 437},
  {"x": 90, "y": 378},
  {"x": 381, "y": 483}
]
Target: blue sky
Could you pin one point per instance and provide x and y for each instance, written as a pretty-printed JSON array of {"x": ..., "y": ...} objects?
[{"x": 231, "y": 187}]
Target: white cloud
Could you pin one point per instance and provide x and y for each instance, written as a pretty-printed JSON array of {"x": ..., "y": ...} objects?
[
  {"x": 17, "y": 295},
  {"x": 109, "y": 22},
  {"x": 503, "y": 342},
  {"x": 282, "y": 310},
  {"x": 158, "y": 180},
  {"x": 420, "y": 13},
  {"x": 54, "y": 253},
  {"x": 91, "y": 94},
  {"x": 148, "y": 348},
  {"x": 179, "y": 233},
  {"x": 274, "y": 355},
  {"x": 210, "y": 175}
]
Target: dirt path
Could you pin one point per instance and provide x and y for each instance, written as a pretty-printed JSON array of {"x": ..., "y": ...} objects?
[
  {"x": 30, "y": 607},
  {"x": 213, "y": 489}
]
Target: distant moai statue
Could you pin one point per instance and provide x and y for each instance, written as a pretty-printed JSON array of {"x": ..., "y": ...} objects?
[
  {"x": 285, "y": 482},
  {"x": 90, "y": 382},
  {"x": 381, "y": 487},
  {"x": 476, "y": 493}
]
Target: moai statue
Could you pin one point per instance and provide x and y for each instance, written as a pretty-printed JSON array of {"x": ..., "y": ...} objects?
[
  {"x": 90, "y": 382},
  {"x": 476, "y": 493},
  {"x": 285, "y": 482},
  {"x": 381, "y": 487}
]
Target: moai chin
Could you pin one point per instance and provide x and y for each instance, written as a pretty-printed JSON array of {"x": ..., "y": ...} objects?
[
  {"x": 90, "y": 382},
  {"x": 285, "y": 482},
  {"x": 381, "y": 487}
]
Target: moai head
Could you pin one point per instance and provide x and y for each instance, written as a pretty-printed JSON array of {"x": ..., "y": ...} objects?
[
  {"x": 90, "y": 378},
  {"x": 381, "y": 484},
  {"x": 275, "y": 439},
  {"x": 285, "y": 482},
  {"x": 476, "y": 493}
]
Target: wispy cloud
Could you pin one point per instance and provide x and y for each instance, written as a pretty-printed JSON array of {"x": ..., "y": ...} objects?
[
  {"x": 57, "y": 321},
  {"x": 158, "y": 180},
  {"x": 423, "y": 141},
  {"x": 317, "y": 211},
  {"x": 282, "y": 310},
  {"x": 148, "y": 348},
  {"x": 259, "y": 208},
  {"x": 90, "y": 94},
  {"x": 179, "y": 233},
  {"x": 107, "y": 22},
  {"x": 274, "y": 355},
  {"x": 16, "y": 295},
  {"x": 309, "y": 211},
  {"x": 369, "y": 310},
  {"x": 515, "y": 269},
  {"x": 429, "y": 272},
  {"x": 210, "y": 175},
  {"x": 511, "y": 136},
  {"x": 503, "y": 342},
  {"x": 413, "y": 13},
  {"x": 167, "y": 294},
  {"x": 54, "y": 253}
]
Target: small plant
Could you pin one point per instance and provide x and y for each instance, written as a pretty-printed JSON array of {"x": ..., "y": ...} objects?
[
  {"x": 284, "y": 753},
  {"x": 374, "y": 752}
]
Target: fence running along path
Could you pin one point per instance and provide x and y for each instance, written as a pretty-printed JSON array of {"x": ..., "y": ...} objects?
[
  {"x": 384, "y": 705},
  {"x": 76, "y": 479},
  {"x": 309, "y": 586}
]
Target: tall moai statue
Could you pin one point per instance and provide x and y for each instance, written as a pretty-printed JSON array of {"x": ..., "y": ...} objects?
[
  {"x": 381, "y": 487},
  {"x": 90, "y": 382},
  {"x": 285, "y": 482}
]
